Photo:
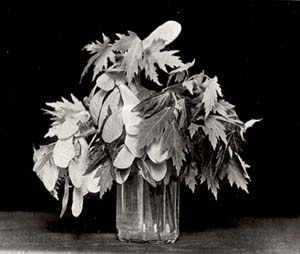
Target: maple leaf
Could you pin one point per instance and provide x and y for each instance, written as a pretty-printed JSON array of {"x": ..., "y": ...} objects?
[
  {"x": 153, "y": 127},
  {"x": 180, "y": 106},
  {"x": 132, "y": 58},
  {"x": 154, "y": 56},
  {"x": 193, "y": 128},
  {"x": 102, "y": 53},
  {"x": 215, "y": 130},
  {"x": 211, "y": 180},
  {"x": 125, "y": 41},
  {"x": 234, "y": 175},
  {"x": 173, "y": 142},
  {"x": 153, "y": 104},
  {"x": 244, "y": 166},
  {"x": 106, "y": 177},
  {"x": 189, "y": 85},
  {"x": 190, "y": 179},
  {"x": 183, "y": 68},
  {"x": 210, "y": 95}
]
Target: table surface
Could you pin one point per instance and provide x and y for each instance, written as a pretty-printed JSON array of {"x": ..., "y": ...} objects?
[{"x": 22, "y": 232}]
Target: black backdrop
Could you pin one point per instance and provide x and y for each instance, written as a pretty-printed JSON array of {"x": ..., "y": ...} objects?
[{"x": 252, "y": 46}]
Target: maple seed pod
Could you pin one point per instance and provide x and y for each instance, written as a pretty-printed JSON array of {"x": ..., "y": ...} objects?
[
  {"x": 124, "y": 158},
  {"x": 67, "y": 129},
  {"x": 122, "y": 175},
  {"x": 157, "y": 170},
  {"x": 167, "y": 32},
  {"x": 113, "y": 128},
  {"x": 155, "y": 153},
  {"x": 48, "y": 175},
  {"x": 77, "y": 202},
  {"x": 75, "y": 174},
  {"x": 92, "y": 182},
  {"x": 130, "y": 119},
  {"x": 63, "y": 152},
  {"x": 132, "y": 144}
]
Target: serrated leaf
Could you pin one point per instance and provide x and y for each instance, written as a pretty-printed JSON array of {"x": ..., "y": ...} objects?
[
  {"x": 212, "y": 181},
  {"x": 193, "y": 128},
  {"x": 189, "y": 85},
  {"x": 153, "y": 104},
  {"x": 180, "y": 106},
  {"x": 154, "y": 56},
  {"x": 173, "y": 142},
  {"x": 210, "y": 95},
  {"x": 125, "y": 42},
  {"x": 153, "y": 127},
  {"x": 63, "y": 152},
  {"x": 190, "y": 179},
  {"x": 167, "y": 32},
  {"x": 235, "y": 176},
  {"x": 102, "y": 54},
  {"x": 105, "y": 82},
  {"x": 215, "y": 130},
  {"x": 104, "y": 174},
  {"x": 220, "y": 109},
  {"x": 183, "y": 68},
  {"x": 132, "y": 58},
  {"x": 244, "y": 166},
  {"x": 113, "y": 127}
]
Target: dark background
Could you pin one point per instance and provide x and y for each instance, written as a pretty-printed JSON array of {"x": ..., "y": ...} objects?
[{"x": 252, "y": 46}]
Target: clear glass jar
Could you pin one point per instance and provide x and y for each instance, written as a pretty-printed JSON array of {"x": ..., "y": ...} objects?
[{"x": 146, "y": 213}]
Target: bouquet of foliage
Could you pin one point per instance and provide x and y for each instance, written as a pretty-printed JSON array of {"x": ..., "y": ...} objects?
[{"x": 145, "y": 112}]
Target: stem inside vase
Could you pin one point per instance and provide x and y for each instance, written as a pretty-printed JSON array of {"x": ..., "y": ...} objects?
[{"x": 146, "y": 213}]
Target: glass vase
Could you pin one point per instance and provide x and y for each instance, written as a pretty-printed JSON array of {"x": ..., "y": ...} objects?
[{"x": 146, "y": 213}]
